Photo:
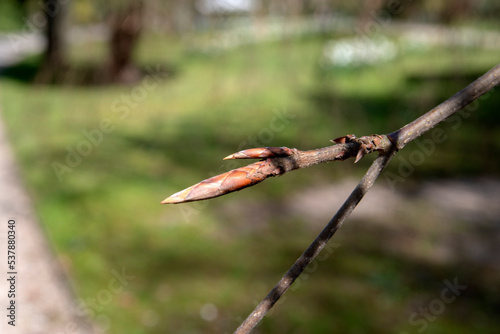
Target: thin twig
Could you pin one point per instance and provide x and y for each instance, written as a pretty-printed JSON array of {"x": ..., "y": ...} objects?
[
  {"x": 317, "y": 245},
  {"x": 399, "y": 138},
  {"x": 455, "y": 103}
]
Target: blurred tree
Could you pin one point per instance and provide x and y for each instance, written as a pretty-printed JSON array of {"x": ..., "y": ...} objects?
[
  {"x": 451, "y": 11},
  {"x": 54, "y": 58},
  {"x": 125, "y": 22},
  {"x": 368, "y": 12},
  {"x": 125, "y": 19}
]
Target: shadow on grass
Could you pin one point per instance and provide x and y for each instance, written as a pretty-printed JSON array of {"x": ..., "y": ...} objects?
[
  {"x": 85, "y": 75},
  {"x": 24, "y": 72}
]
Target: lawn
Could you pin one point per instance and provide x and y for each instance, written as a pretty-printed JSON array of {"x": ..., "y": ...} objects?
[{"x": 98, "y": 161}]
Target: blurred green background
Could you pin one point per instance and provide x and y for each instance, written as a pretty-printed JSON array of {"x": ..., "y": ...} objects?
[{"x": 208, "y": 78}]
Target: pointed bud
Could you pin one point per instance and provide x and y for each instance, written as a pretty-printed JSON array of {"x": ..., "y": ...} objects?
[
  {"x": 360, "y": 155},
  {"x": 222, "y": 184},
  {"x": 261, "y": 152}
]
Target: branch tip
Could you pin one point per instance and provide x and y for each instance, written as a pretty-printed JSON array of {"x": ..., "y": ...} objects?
[{"x": 178, "y": 197}]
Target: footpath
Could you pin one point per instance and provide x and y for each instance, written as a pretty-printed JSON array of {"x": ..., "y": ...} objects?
[{"x": 35, "y": 295}]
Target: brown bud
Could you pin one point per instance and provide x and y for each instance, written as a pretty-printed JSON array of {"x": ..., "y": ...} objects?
[
  {"x": 261, "y": 152},
  {"x": 219, "y": 185}
]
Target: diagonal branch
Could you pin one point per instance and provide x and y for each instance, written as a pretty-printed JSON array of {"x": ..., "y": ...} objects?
[
  {"x": 317, "y": 245},
  {"x": 455, "y": 103},
  {"x": 279, "y": 160},
  {"x": 399, "y": 138}
]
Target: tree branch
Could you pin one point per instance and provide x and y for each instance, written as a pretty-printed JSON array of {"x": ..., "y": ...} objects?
[
  {"x": 455, "y": 103},
  {"x": 399, "y": 138},
  {"x": 317, "y": 245},
  {"x": 278, "y": 161}
]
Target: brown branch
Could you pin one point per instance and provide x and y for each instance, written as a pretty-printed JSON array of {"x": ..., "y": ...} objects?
[
  {"x": 400, "y": 138},
  {"x": 317, "y": 245},
  {"x": 458, "y": 101},
  {"x": 278, "y": 161}
]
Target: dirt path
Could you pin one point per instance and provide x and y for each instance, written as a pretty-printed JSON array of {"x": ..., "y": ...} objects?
[{"x": 44, "y": 301}]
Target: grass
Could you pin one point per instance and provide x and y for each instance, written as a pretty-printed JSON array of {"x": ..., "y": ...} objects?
[
  {"x": 105, "y": 214},
  {"x": 12, "y": 16}
]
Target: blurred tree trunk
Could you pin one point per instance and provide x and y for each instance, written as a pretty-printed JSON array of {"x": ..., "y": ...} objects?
[
  {"x": 458, "y": 9},
  {"x": 368, "y": 14},
  {"x": 54, "y": 58},
  {"x": 125, "y": 27}
]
